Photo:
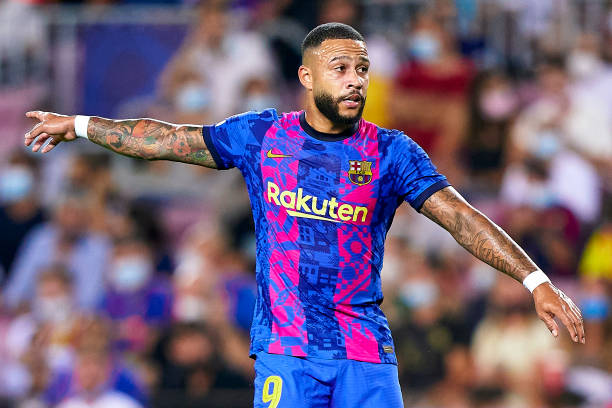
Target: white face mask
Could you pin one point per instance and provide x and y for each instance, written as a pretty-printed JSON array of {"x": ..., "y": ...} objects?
[
  {"x": 391, "y": 270},
  {"x": 16, "y": 182},
  {"x": 583, "y": 64},
  {"x": 189, "y": 308},
  {"x": 131, "y": 273},
  {"x": 419, "y": 293},
  {"x": 55, "y": 309}
]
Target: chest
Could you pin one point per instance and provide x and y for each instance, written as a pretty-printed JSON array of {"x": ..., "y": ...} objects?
[{"x": 335, "y": 181}]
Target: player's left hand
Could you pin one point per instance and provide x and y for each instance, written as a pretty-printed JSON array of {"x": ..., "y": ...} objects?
[{"x": 550, "y": 302}]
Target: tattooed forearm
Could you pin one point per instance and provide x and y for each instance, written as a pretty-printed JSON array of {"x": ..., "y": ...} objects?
[
  {"x": 478, "y": 234},
  {"x": 151, "y": 140}
]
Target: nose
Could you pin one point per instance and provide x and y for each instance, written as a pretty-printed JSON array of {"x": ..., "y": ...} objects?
[{"x": 354, "y": 80}]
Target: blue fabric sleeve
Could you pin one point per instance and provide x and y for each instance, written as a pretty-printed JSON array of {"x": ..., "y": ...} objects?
[
  {"x": 417, "y": 177},
  {"x": 227, "y": 140}
]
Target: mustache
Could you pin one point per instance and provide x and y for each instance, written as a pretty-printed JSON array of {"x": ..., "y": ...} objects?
[{"x": 347, "y": 96}]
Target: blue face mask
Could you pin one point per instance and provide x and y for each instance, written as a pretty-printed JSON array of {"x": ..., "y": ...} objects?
[
  {"x": 130, "y": 273},
  {"x": 549, "y": 144},
  {"x": 259, "y": 102},
  {"x": 15, "y": 184},
  {"x": 193, "y": 98},
  {"x": 596, "y": 308},
  {"x": 424, "y": 47}
]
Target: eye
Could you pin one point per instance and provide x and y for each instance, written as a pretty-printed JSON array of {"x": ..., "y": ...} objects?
[
  {"x": 363, "y": 69},
  {"x": 339, "y": 68}
]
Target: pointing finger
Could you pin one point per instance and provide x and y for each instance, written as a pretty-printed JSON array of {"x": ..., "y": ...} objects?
[{"x": 35, "y": 114}]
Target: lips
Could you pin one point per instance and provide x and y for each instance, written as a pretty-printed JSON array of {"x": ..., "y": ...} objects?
[
  {"x": 353, "y": 97},
  {"x": 352, "y": 101}
]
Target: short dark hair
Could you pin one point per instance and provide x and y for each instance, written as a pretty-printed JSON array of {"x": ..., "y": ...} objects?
[{"x": 329, "y": 31}]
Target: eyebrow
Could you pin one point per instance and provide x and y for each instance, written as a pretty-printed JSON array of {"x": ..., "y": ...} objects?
[{"x": 361, "y": 57}]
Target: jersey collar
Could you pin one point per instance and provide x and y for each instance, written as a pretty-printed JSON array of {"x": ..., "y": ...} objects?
[{"x": 327, "y": 137}]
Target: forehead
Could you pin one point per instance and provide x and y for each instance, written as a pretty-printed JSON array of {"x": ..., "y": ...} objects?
[{"x": 337, "y": 48}]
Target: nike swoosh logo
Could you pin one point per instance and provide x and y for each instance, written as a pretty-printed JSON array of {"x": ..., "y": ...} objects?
[{"x": 276, "y": 156}]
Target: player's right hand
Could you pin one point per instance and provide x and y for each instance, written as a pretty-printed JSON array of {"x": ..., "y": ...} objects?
[{"x": 51, "y": 126}]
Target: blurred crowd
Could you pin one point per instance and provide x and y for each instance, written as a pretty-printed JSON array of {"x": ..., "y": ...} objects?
[{"x": 128, "y": 283}]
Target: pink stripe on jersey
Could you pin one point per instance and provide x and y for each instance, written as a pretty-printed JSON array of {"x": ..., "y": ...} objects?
[
  {"x": 355, "y": 250},
  {"x": 288, "y": 331}
]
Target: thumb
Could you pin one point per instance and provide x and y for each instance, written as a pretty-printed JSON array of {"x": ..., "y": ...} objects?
[{"x": 550, "y": 323}]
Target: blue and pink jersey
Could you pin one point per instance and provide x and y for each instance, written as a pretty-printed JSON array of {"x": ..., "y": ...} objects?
[{"x": 322, "y": 206}]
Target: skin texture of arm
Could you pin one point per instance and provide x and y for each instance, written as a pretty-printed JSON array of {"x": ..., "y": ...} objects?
[
  {"x": 476, "y": 233},
  {"x": 151, "y": 140},
  {"x": 147, "y": 139},
  {"x": 489, "y": 243}
]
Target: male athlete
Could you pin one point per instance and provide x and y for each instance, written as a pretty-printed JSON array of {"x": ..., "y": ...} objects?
[{"x": 324, "y": 185}]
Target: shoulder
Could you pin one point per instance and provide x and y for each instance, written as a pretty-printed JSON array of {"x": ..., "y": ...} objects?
[
  {"x": 395, "y": 139},
  {"x": 42, "y": 234},
  {"x": 117, "y": 400},
  {"x": 268, "y": 115},
  {"x": 289, "y": 119}
]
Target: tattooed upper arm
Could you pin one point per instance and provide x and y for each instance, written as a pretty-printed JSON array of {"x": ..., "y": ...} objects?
[
  {"x": 445, "y": 207},
  {"x": 152, "y": 140},
  {"x": 187, "y": 145}
]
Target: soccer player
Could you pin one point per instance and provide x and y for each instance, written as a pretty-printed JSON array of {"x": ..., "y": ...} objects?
[{"x": 324, "y": 185}]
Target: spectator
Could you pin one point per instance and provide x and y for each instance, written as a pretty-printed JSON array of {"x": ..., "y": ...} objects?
[
  {"x": 493, "y": 104},
  {"x": 189, "y": 359},
  {"x": 138, "y": 301},
  {"x": 430, "y": 93},
  {"x": 428, "y": 331},
  {"x": 214, "y": 49},
  {"x": 52, "y": 324},
  {"x": 589, "y": 127},
  {"x": 545, "y": 170},
  {"x": 20, "y": 209},
  {"x": 92, "y": 375},
  {"x": 510, "y": 324},
  {"x": 93, "y": 343},
  {"x": 454, "y": 390},
  {"x": 595, "y": 262},
  {"x": 65, "y": 240}
]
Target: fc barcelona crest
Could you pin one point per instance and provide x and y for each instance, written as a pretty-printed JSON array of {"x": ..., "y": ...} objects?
[{"x": 360, "y": 172}]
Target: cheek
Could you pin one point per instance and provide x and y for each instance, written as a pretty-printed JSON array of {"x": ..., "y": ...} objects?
[{"x": 332, "y": 86}]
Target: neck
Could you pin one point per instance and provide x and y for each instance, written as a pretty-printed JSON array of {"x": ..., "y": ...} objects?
[
  {"x": 22, "y": 210},
  {"x": 320, "y": 122}
]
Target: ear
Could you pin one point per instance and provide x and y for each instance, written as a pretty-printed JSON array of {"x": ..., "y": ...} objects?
[{"x": 305, "y": 75}]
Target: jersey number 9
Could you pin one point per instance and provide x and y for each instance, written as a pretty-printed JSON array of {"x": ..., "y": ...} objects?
[{"x": 272, "y": 397}]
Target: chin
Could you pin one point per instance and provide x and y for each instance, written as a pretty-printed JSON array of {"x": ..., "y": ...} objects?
[{"x": 351, "y": 116}]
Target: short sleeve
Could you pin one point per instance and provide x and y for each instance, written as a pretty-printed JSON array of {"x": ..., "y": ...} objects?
[
  {"x": 416, "y": 176},
  {"x": 228, "y": 139}
]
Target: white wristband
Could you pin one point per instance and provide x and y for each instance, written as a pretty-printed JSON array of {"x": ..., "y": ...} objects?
[
  {"x": 535, "y": 279},
  {"x": 80, "y": 126}
]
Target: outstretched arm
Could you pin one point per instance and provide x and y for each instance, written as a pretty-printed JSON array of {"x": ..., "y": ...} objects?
[
  {"x": 489, "y": 243},
  {"x": 142, "y": 138}
]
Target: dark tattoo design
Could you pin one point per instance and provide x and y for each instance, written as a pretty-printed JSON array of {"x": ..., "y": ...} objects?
[
  {"x": 477, "y": 233},
  {"x": 151, "y": 140}
]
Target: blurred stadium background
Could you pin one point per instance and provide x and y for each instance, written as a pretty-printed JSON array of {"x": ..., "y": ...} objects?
[{"x": 130, "y": 283}]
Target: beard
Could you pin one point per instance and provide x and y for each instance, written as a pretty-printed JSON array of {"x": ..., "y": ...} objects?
[{"x": 330, "y": 108}]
